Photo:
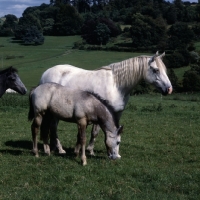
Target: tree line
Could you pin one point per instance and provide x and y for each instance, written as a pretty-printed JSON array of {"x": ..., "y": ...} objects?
[{"x": 149, "y": 25}]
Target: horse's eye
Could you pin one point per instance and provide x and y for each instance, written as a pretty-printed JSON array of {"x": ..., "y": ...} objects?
[
  {"x": 155, "y": 71},
  {"x": 118, "y": 142},
  {"x": 11, "y": 78}
]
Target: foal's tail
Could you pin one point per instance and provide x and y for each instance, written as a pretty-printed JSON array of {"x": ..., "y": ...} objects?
[{"x": 31, "y": 110}]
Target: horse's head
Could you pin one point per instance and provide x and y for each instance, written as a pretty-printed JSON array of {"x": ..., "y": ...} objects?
[
  {"x": 14, "y": 82},
  {"x": 112, "y": 143},
  {"x": 156, "y": 74}
]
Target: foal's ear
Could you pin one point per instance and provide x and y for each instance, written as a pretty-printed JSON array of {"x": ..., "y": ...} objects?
[{"x": 120, "y": 130}]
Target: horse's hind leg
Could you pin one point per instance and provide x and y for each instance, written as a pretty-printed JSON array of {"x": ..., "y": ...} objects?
[
  {"x": 94, "y": 134},
  {"x": 35, "y": 129}
]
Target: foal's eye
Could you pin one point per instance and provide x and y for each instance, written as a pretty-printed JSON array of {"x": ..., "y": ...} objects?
[{"x": 118, "y": 143}]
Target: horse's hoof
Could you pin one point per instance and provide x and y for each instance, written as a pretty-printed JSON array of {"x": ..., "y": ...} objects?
[
  {"x": 92, "y": 153},
  {"x": 84, "y": 163},
  {"x": 62, "y": 151},
  {"x": 90, "y": 147}
]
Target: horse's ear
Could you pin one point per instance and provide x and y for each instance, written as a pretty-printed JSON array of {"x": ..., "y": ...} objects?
[
  {"x": 157, "y": 53},
  {"x": 162, "y": 55},
  {"x": 152, "y": 58},
  {"x": 120, "y": 130}
]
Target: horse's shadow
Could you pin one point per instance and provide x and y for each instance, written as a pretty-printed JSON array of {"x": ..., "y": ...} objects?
[{"x": 27, "y": 145}]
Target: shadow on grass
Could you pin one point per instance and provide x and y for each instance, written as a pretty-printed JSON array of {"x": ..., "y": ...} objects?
[
  {"x": 24, "y": 144},
  {"x": 12, "y": 152},
  {"x": 27, "y": 145}
]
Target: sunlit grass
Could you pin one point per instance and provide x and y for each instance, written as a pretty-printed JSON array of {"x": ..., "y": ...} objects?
[{"x": 160, "y": 155}]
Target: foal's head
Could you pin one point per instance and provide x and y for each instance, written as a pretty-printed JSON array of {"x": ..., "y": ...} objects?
[
  {"x": 112, "y": 142},
  {"x": 109, "y": 123}
]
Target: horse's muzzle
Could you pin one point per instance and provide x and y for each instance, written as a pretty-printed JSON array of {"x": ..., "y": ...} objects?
[
  {"x": 170, "y": 90},
  {"x": 167, "y": 91}
]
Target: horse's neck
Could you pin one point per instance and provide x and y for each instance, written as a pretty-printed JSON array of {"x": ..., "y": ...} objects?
[{"x": 128, "y": 74}]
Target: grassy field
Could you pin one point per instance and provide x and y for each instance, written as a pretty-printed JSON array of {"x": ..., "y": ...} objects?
[
  {"x": 32, "y": 61},
  {"x": 160, "y": 155},
  {"x": 160, "y": 144}
]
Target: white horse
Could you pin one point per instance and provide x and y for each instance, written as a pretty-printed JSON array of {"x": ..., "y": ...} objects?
[{"x": 113, "y": 82}]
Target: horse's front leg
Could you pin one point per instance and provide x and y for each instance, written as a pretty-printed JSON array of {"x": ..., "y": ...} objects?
[
  {"x": 35, "y": 129},
  {"x": 94, "y": 134}
]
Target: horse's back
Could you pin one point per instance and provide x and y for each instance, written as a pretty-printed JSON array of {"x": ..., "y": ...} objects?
[{"x": 58, "y": 73}]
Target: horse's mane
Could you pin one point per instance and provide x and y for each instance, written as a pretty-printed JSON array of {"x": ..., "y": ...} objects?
[
  {"x": 130, "y": 71},
  {"x": 107, "y": 104},
  {"x": 9, "y": 69}
]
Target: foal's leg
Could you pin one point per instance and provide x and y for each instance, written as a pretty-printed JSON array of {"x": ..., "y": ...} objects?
[
  {"x": 35, "y": 129},
  {"x": 78, "y": 143},
  {"x": 54, "y": 141},
  {"x": 94, "y": 134},
  {"x": 44, "y": 133},
  {"x": 82, "y": 124}
]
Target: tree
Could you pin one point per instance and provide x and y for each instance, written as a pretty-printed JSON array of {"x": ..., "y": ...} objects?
[
  {"x": 102, "y": 33},
  {"x": 145, "y": 31},
  {"x": 91, "y": 27},
  {"x": 180, "y": 35},
  {"x": 33, "y": 36},
  {"x": 191, "y": 81},
  {"x": 171, "y": 15},
  {"x": 68, "y": 21},
  {"x": 9, "y": 25}
]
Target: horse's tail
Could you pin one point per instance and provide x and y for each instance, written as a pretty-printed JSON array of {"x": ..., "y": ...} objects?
[{"x": 31, "y": 110}]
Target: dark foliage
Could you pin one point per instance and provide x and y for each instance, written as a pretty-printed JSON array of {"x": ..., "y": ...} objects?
[
  {"x": 33, "y": 36},
  {"x": 191, "y": 81},
  {"x": 93, "y": 29},
  {"x": 146, "y": 31}
]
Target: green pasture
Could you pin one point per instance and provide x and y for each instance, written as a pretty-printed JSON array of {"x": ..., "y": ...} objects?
[
  {"x": 160, "y": 155},
  {"x": 32, "y": 61},
  {"x": 160, "y": 143}
]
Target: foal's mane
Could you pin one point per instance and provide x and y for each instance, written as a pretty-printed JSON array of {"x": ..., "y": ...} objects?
[
  {"x": 107, "y": 104},
  {"x": 9, "y": 69}
]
